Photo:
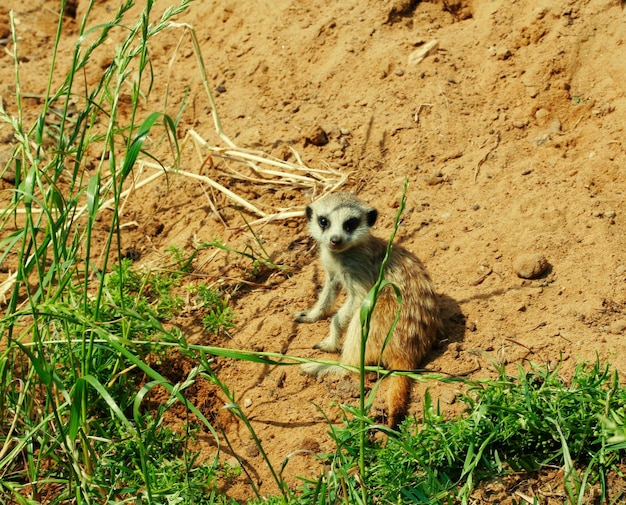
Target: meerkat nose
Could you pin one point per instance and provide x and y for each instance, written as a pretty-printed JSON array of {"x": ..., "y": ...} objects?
[{"x": 335, "y": 241}]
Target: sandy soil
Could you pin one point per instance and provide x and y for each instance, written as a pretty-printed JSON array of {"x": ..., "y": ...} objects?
[{"x": 511, "y": 133}]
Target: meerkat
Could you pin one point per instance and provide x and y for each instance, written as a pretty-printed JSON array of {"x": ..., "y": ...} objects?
[{"x": 352, "y": 258}]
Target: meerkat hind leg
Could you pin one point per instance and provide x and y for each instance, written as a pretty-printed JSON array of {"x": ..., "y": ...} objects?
[{"x": 322, "y": 370}]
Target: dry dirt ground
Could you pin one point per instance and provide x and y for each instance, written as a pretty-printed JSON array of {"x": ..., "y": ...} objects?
[{"x": 510, "y": 131}]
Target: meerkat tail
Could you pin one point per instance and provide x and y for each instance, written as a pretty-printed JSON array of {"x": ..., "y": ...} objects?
[
  {"x": 321, "y": 370},
  {"x": 398, "y": 399}
]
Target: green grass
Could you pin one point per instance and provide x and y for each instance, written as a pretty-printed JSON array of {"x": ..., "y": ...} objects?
[
  {"x": 518, "y": 423},
  {"x": 218, "y": 317},
  {"x": 82, "y": 324},
  {"x": 79, "y": 320}
]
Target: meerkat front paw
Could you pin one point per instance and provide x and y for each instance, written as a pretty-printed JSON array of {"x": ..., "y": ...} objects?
[
  {"x": 329, "y": 344},
  {"x": 312, "y": 368},
  {"x": 302, "y": 316},
  {"x": 306, "y": 316}
]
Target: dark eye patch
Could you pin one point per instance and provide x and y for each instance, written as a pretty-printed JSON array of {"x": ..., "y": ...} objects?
[
  {"x": 323, "y": 222},
  {"x": 351, "y": 224}
]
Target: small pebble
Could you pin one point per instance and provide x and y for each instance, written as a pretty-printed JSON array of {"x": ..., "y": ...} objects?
[
  {"x": 533, "y": 91},
  {"x": 503, "y": 53},
  {"x": 542, "y": 116},
  {"x": 433, "y": 180},
  {"x": 232, "y": 462},
  {"x": 252, "y": 451},
  {"x": 531, "y": 266},
  {"x": 541, "y": 139},
  {"x": 449, "y": 397},
  {"x": 9, "y": 176},
  {"x": 618, "y": 327},
  {"x": 310, "y": 444},
  {"x": 316, "y": 136},
  {"x": 427, "y": 49},
  {"x": 334, "y": 146},
  {"x": 555, "y": 126}
]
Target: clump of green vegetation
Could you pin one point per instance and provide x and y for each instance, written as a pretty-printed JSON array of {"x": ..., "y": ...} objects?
[
  {"x": 511, "y": 424},
  {"x": 175, "y": 475},
  {"x": 258, "y": 257},
  {"x": 147, "y": 294},
  {"x": 79, "y": 319},
  {"x": 219, "y": 316}
]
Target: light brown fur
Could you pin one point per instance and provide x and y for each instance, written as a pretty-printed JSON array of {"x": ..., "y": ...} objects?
[{"x": 352, "y": 258}]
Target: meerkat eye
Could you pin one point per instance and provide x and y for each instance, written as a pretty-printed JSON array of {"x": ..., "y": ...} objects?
[
  {"x": 351, "y": 224},
  {"x": 323, "y": 222}
]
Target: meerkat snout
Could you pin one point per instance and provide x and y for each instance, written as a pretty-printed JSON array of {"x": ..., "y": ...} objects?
[{"x": 352, "y": 258}]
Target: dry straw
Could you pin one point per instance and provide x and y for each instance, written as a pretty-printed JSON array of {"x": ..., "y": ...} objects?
[{"x": 262, "y": 168}]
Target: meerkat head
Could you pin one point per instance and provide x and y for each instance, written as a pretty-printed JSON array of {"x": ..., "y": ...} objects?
[{"x": 340, "y": 221}]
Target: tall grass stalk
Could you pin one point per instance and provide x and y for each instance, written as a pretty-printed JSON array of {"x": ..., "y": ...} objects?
[{"x": 367, "y": 310}]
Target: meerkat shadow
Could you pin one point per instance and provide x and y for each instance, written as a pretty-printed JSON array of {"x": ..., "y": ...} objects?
[{"x": 454, "y": 324}]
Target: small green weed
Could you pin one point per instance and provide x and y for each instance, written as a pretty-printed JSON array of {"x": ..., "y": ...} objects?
[
  {"x": 148, "y": 293},
  {"x": 183, "y": 261},
  {"x": 259, "y": 257},
  {"x": 174, "y": 472},
  {"x": 219, "y": 316}
]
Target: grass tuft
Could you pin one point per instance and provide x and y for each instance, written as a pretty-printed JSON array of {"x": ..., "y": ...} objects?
[{"x": 513, "y": 424}]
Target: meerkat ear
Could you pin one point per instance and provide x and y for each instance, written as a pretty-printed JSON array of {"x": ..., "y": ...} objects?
[
  {"x": 309, "y": 212},
  {"x": 372, "y": 215}
]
